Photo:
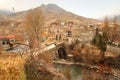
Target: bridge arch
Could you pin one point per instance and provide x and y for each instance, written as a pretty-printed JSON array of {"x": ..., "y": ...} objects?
[{"x": 62, "y": 54}]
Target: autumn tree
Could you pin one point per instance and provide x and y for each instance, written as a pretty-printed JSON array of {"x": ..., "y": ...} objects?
[
  {"x": 114, "y": 30},
  {"x": 106, "y": 22},
  {"x": 106, "y": 28},
  {"x": 115, "y": 21},
  {"x": 34, "y": 22},
  {"x": 0, "y": 48},
  {"x": 115, "y": 24}
]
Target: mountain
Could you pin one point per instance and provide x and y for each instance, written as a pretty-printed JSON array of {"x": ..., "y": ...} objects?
[
  {"x": 111, "y": 18},
  {"x": 52, "y": 13},
  {"x": 4, "y": 14}
]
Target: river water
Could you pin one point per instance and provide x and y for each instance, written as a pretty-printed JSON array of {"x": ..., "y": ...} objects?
[{"x": 77, "y": 72}]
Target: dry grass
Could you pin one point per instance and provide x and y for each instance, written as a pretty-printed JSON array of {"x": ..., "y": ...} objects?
[
  {"x": 12, "y": 67},
  {"x": 15, "y": 67}
]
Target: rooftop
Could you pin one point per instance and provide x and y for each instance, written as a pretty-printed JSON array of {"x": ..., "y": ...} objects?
[{"x": 9, "y": 37}]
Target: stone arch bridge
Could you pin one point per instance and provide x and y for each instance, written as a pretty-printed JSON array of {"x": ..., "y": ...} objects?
[{"x": 59, "y": 49}]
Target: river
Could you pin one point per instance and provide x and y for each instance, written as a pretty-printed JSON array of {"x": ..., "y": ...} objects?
[{"x": 77, "y": 72}]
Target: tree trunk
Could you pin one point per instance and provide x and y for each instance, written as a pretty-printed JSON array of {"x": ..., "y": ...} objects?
[{"x": 102, "y": 55}]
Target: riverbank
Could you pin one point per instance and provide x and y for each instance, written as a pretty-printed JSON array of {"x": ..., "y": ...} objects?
[
  {"x": 102, "y": 69},
  {"x": 42, "y": 66}
]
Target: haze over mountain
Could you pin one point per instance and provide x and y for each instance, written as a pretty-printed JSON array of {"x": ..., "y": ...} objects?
[
  {"x": 118, "y": 17},
  {"x": 4, "y": 13},
  {"x": 111, "y": 18}
]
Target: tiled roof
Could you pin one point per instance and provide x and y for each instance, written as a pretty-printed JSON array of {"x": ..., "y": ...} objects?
[{"x": 10, "y": 36}]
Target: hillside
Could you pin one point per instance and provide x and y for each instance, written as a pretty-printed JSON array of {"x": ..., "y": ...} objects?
[{"x": 53, "y": 13}]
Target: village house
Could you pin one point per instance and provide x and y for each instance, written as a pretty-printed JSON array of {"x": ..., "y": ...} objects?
[
  {"x": 7, "y": 41},
  {"x": 62, "y": 29}
]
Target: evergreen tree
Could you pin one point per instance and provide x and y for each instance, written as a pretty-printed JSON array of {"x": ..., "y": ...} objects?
[{"x": 99, "y": 41}]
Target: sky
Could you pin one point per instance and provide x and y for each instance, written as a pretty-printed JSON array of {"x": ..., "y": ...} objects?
[{"x": 87, "y": 8}]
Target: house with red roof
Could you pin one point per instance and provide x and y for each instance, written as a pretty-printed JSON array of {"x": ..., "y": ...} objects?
[{"x": 7, "y": 39}]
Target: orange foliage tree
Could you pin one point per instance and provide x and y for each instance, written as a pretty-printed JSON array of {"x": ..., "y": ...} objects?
[{"x": 106, "y": 28}]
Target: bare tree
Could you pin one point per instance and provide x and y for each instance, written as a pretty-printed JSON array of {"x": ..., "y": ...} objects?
[{"x": 33, "y": 26}]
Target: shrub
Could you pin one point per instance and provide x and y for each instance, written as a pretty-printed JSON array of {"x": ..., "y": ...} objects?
[
  {"x": 35, "y": 67},
  {"x": 40, "y": 67}
]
